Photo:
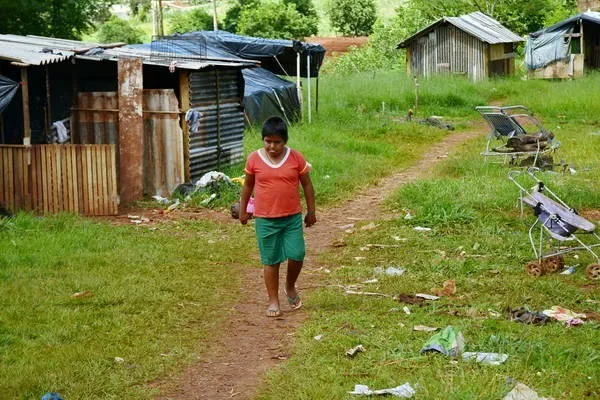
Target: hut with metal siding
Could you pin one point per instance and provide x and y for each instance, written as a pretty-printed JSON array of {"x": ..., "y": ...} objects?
[
  {"x": 473, "y": 45},
  {"x": 117, "y": 97}
]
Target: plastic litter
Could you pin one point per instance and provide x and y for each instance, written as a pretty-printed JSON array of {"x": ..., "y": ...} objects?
[
  {"x": 318, "y": 337},
  {"x": 421, "y": 229},
  {"x": 52, "y": 396},
  {"x": 209, "y": 199},
  {"x": 449, "y": 341},
  {"x": 211, "y": 176},
  {"x": 161, "y": 200},
  {"x": 565, "y": 315},
  {"x": 427, "y": 296},
  {"x": 485, "y": 358},
  {"x": 570, "y": 270},
  {"x": 391, "y": 271},
  {"x": 528, "y": 317},
  {"x": 405, "y": 391},
  {"x": 355, "y": 350},
  {"x": 424, "y": 328},
  {"x": 523, "y": 392},
  {"x": 406, "y": 310}
]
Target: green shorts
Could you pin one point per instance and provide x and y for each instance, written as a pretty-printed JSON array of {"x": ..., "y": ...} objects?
[{"x": 280, "y": 239}]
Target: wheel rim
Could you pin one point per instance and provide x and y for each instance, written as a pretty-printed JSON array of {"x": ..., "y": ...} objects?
[
  {"x": 554, "y": 263},
  {"x": 534, "y": 268},
  {"x": 593, "y": 271}
]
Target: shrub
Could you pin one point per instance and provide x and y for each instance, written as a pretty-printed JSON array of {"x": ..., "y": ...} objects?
[
  {"x": 119, "y": 30},
  {"x": 195, "y": 20},
  {"x": 275, "y": 20},
  {"x": 352, "y": 17}
]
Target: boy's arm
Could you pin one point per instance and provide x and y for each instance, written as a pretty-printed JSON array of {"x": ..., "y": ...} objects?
[
  {"x": 246, "y": 193},
  {"x": 309, "y": 195}
]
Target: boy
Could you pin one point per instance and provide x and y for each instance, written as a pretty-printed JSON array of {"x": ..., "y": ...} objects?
[{"x": 273, "y": 174}]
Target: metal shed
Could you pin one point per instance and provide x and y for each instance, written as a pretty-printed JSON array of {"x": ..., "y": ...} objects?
[
  {"x": 474, "y": 45},
  {"x": 108, "y": 95}
]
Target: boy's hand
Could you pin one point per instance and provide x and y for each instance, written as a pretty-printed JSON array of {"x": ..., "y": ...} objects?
[
  {"x": 244, "y": 216},
  {"x": 310, "y": 219}
]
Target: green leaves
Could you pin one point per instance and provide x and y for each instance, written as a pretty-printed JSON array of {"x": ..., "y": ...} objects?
[{"x": 353, "y": 17}]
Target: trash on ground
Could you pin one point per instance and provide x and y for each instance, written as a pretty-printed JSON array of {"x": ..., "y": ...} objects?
[
  {"x": 399, "y": 239},
  {"x": 355, "y": 350},
  {"x": 82, "y": 294},
  {"x": 448, "y": 288},
  {"x": 369, "y": 226},
  {"x": 339, "y": 243},
  {"x": 347, "y": 226},
  {"x": 350, "y": 291},
  {"x": 427, "y": 296},
  {"x": 173, "y": 206},
  {"x": 408, "y": 216},
  {"x": 523, "y": 392},
  {"x": 421, "y": 229},
  {"x": 565, "y": 315},
  {"x": 493, "y": 313},
  {"x": 52, "y": 396},
  {"x": 371, "y": 281},
  {"x": 406, "y": 310},
  {"x": 161, "y": 200},
  {"x": 569, "y": 270},
  {"x": 485, "y": 358},
  {"x": 240, "y": 180},
  {"x": 528, "y": 317},
  {"x": 359, "y": 258},
  {"x": 318, "y": 337},
  {"x": 424, "y": 328},
  {"x": 390, "y": 271},
  {"x": 449, "y": 341},
  {"x": 208, "y": 199},
  {"x": 381, "y": 246},
  {"x": 212, "y": 176},
  {"x": 405, "y": 391},
  {"x": 119, "y": 360}
]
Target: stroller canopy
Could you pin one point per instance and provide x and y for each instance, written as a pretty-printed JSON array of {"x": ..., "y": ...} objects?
[{"x": 8, "y": 88}]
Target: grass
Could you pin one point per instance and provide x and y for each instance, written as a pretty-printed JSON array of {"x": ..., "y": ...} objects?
[
  {"x": 478, "y": 240},
  {"x": 158, "y": 294}
]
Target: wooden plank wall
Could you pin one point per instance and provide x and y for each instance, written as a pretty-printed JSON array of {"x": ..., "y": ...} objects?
[{"x": 49, "y": 179}]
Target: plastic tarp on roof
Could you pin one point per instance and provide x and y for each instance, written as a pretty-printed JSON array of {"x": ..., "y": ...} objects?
[
  {"x": 550, "y": 44},
  {"x": 275, "y": 55},
  {"x": 8, "y": 88},
  {"x": 266, "y": 94}
]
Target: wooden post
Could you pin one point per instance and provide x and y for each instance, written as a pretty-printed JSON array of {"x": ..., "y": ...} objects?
[
  {"x": 26, "y": 116},
  {"x": 48, "y": 102},
  {"x": 131, "y": 130},
  {"x": 184, "y": 103}
]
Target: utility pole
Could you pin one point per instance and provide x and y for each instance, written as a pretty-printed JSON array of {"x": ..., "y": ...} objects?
[
  {"x": 157, "y": 18},
  {"x": 215, "y": 25}
]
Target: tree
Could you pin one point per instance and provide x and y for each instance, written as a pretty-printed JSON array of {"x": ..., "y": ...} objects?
[
  {"x": 195, "y": 20},
  {"x": 56, "y": 18},
  {"x": 119, "y": 30},
  {"x": 276, "y": 20},
  {"x": 352, "y": 17}
]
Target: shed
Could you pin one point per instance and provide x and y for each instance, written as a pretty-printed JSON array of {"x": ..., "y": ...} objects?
[
  {"x": 474, "y": 45},
  {"x": 121, "y": 113},
  {"x": 566, "y": 49}
]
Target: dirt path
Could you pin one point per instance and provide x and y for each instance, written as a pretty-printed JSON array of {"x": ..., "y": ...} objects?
[{"x": 249, "y": 344}]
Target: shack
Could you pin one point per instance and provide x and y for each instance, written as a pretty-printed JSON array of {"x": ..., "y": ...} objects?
[
  {"x": 474, "y": 45},
  {"x": 566, "y": 49},
  {"x": 93, "y": 125}
]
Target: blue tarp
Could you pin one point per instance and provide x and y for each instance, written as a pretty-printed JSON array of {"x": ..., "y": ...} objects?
[
  {"x": 550, "y": 44},
  {"x": 265, "y": 94},
  {"x": 8, "y": 88}
]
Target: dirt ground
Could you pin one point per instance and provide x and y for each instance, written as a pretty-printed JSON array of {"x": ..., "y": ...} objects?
[
  {"x": 338, "y": 45},
  {"x": 249, "y": 343}
]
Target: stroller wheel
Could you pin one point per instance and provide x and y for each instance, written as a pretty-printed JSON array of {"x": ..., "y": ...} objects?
[
  {"x": 553, "y": 264},
  {"x": 593, "y": 271},
  {"x": 534, "y": 268}
]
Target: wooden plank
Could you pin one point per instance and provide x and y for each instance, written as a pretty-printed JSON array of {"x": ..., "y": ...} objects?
[
  {"x": 74, "y": 180},
  {"x": 113, "y": 180},
  {"x": 35, "y": 179},
  {"x": 3, "y": 150},
  {"x": 89, "y": 180},
  {"x": 27, "y": 168},
  {"x": 10, "y": 190},
  {"x": 18, "y": 178},
  {"x": 104, "y": 198},
  {"x": 84, "y": 180}
]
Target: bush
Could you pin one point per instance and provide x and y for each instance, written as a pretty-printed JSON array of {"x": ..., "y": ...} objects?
[
  {"x": 195, "y": 20},
  {"x": 352, "y": 17},
  {"x": 275, "y": 20},
  {"x": 119, "y": 30}
]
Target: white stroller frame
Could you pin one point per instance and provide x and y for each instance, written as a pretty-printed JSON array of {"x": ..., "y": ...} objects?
[{"x": 557, "y": 220}]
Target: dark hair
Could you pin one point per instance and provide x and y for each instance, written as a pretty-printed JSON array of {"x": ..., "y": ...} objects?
[{"x": 275, "y": 126}]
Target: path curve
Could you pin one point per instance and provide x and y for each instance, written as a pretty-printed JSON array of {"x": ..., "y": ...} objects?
[{"x": 249, "y": 344}]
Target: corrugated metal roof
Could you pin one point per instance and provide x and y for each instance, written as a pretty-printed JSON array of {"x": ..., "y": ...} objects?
[
  {"x": 590, "y": 16},
  {"x": 38, "y": 50},
  {"x": 477, "y": 24}
]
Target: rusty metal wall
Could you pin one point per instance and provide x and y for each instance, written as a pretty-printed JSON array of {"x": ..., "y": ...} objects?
[
  {"x": 218, "y": 141},
  {"x": 96, "y": 118},
  {"x": 163, "y": 142},
  {"x": 447, "y": 49}
]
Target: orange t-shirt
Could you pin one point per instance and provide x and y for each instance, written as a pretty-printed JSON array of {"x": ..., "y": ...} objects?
[{"x": 276, "y": 186}]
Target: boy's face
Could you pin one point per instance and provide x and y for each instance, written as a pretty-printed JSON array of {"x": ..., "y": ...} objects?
[{"x": 274, "y": 145}]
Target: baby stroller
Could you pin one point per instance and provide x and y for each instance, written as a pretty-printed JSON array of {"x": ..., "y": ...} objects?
[{"x": 559, "y": 223}]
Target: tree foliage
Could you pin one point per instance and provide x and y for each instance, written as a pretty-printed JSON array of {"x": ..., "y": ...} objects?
[
  {"x": 352, "y": 17},
  {"x": 275, "y": 19},
  {"x": 119, "y": 30},
  {"x": 56, "y": 18},
  {"x": 187, "y": 21}
]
